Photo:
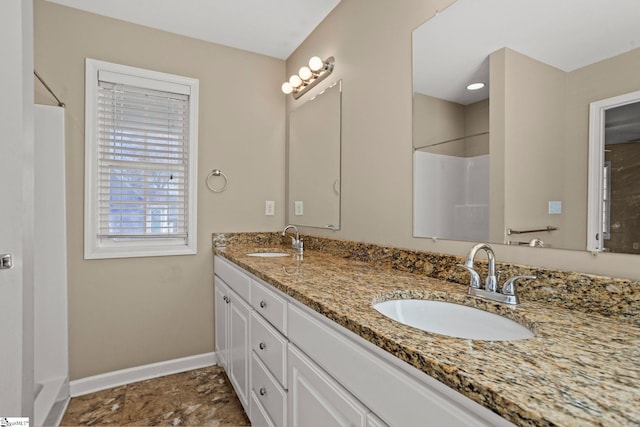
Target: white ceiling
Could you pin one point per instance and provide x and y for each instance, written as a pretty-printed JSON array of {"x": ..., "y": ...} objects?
[
  {"x": 273, "y": 28},
  {"x": 451, "y": 49}
]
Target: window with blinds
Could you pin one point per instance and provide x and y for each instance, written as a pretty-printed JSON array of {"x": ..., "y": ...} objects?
[{"x": 141, "y": 160}]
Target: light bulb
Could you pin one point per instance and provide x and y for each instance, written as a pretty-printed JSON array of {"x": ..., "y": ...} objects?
[
  {"x": 305, "y": 73},
  {"x": 316, "y": 64},
  {"x": 287, "y": 88},
  {"x": 295, "y": 80}
]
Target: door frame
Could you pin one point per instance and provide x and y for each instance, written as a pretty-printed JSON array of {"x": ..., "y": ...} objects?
[
  {"x": 597, "y": 110},
  {"x": 17, "y": 208}
]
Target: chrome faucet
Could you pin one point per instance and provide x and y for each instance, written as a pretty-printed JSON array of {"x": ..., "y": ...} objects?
[
  {"x": 508, "y": 293},
  {"x": 536, "y": 243},
  {"x": 296, "y": 243},
  {"x": 491, "y": 283}
]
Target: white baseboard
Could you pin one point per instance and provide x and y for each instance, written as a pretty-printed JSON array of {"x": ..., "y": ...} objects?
[{"x": 140, "y": 373}]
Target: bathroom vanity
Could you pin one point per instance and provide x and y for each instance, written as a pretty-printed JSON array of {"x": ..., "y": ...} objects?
[{"x": 300, "y": 341}]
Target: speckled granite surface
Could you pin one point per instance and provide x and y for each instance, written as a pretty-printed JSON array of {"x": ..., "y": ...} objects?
[
  {"x": 619, "y": 298},
  {"x": 580, "y": 368}
]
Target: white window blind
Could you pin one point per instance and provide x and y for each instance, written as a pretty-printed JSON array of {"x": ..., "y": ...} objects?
[
  {"x": 142, "y": 162},
  {"x": 140, "y": 152}
]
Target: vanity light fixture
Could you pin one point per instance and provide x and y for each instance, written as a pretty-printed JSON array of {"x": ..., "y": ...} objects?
[
  {"x": 308, "y": 77},
  {"x": 475, "y": 86}
]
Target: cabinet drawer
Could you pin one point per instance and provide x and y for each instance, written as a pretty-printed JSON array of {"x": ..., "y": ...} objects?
[
  {"x": 269, "y": 393},
  {"x": 259, "y": 416},
  {"x": 270, "y": 347},
  {"x": 233, "y": 277},
  {"x": 270, "y": 306}
]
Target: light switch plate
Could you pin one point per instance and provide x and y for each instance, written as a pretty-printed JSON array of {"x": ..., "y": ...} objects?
[{"x": 299, "y": 207}]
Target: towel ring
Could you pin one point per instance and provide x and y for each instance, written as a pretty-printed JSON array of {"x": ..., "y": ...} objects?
[{"x": 217, "y": 172}]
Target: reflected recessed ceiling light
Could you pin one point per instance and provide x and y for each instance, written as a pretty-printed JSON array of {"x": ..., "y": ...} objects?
[{"x": 475, "y": 86}]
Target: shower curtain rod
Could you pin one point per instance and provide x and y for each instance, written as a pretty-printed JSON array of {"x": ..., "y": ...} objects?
[
  {"x": 60, "y": 103},
  {"x": 450, "y": 140}
]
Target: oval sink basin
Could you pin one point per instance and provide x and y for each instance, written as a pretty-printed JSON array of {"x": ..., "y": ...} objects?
[
  {"x": 453, "y": 320},
  {"x": 268, "y": 254}
]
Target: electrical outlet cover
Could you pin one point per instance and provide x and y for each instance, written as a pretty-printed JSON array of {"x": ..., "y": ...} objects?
[
  {"x": 270, "y": 207},
  {"x": 555, "y": 207}
]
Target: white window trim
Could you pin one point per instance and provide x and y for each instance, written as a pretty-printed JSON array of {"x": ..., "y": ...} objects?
[{"x": 94, "y": 248}]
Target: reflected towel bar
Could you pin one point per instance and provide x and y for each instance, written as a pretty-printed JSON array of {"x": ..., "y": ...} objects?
[{"x": 511, "y": 231}]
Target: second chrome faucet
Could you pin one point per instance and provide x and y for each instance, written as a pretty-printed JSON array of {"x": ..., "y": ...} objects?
[
  {"x": 508, "y": 293},
  {"x": 296, "y": 243}
]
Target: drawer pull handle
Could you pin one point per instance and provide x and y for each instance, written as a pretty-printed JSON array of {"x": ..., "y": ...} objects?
[
  {"x": 262, "y": 346},
  {"x": 263, "y": 391},
  {"x": 226, "y": 299},
  {"x": 263, "y": 304}
]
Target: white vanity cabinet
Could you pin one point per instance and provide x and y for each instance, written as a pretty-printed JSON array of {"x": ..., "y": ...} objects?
[
  {"x": 269, "y": 355},
  {"x": 232, "y": 325},
  {"x": 251, "y": 343},
  {"x": 306, "y": 370}
]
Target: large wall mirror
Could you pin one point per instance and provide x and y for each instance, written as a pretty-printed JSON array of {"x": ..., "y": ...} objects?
[
  {"x": 314, "y": 160},
  {"x": 509, "y": 162}
]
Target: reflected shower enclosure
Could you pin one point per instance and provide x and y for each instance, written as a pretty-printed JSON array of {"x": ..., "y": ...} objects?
[
  {"x": 451, "y": 196},
  {"x": 450, "y": 169}
]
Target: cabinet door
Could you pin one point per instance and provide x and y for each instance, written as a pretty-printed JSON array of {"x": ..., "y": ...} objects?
[
  {"x": 221, "y": 324},
  {"x": 239, "y": 349},
  {"x": 316, "y": 399}
]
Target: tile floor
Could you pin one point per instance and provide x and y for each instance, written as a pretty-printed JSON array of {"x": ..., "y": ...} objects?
[{"x": 202, "y": 397}]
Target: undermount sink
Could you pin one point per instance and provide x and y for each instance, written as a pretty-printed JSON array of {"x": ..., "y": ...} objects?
[
  {"x": 267, "y": 254},
  {"x": 453, "y": 320}
]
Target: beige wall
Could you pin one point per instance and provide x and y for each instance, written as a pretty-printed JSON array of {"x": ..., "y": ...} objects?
[
  {"x": 130, "y": 312},
  {"x": 533, "y": 102},
  {"x": 555, "y": 144},
  {"x": 371, "y": 42},
  {"x": 547, "y": 127},
  {"x": 616, "y": 76},
  {"x": 437, "y": 120},
  {"x": 476, "y": 125},
  {"x": 449, "y": 128},
  {"x": 497, "y": 124}
]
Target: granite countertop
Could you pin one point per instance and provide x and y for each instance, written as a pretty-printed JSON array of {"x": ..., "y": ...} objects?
[{"x": 579, "y": 369}]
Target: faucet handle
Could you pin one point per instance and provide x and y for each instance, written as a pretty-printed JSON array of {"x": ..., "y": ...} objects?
[
  {"x": 509, "y": 286},
  {"x": 475, "y": 277},
  {"x": 491, "y": 283}
]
